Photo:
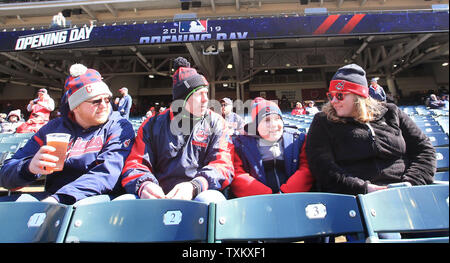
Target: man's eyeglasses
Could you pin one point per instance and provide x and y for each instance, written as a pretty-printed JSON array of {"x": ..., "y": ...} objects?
[
  {"x": 338, "y": 95},
  {"x": 99, "y": 101}
]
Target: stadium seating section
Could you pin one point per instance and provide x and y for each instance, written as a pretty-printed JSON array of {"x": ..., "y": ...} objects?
[{"x": 288, "y": 217}]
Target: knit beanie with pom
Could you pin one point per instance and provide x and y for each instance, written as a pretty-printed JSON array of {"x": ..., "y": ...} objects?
[
  {"x": 83, "y": 84},
  {"x": 186, "y": 80}
]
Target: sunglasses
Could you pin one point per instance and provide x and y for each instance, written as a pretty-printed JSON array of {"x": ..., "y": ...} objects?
[
  {"x": 338, "y": 95},
  {"x": 99, "y": 101}
]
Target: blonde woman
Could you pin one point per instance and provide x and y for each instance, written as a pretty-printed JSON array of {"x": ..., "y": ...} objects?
[{"x": 358, "y": 145}]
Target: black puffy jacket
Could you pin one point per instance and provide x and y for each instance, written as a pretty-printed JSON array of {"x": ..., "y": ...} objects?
[{"x": 345, "y": 157}]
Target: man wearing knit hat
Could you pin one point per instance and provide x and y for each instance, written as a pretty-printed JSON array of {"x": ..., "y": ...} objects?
[
  {"x": 100, "y": 140},
  {"x": 183, "y": 152}
]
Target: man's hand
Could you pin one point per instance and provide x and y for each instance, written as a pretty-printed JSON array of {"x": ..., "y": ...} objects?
[
  {"x": 43, "y": 161},
  {"x": 152, "y": 191},
  {"x": 183, "y": 191},
  {"x": 50, "y": 199},
  {"x": 372, "y": 188}
]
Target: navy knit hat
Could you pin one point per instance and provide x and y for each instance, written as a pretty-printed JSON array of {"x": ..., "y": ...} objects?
[
  {"x": 350, "y": 78},
  {"x": 260, "y": 109},
  {"x": 185, "y": 79}
]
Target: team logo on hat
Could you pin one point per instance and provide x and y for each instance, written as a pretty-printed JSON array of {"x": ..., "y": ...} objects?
[
  {"x": 126, "y": 143},
  {"x": 88, "y": 89},
  {"x": 340, "y": 85}
]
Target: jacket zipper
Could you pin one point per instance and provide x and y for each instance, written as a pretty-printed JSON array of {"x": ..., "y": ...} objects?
[
  {"x": 276, "y": 175},
  {"x": 372, "y": 135}
]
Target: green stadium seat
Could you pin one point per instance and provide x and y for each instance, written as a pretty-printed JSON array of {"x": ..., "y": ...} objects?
[
  {"x": 285, "y": 217},
  {"x": 27, "y": 222},
  {"x": 415, "y": 209},
  {"x": 9, "y": 147},
  {"x": 140, "y": 221}
]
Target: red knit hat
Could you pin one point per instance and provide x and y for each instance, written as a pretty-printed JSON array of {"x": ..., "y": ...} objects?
[{"x": 83, "y": 84}]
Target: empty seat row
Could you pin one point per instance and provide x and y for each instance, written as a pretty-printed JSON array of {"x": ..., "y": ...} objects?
[{"x": 286, "y": 217}]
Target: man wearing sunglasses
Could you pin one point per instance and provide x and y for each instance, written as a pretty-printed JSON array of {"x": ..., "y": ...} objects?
[{"x": 100, "y": 141}]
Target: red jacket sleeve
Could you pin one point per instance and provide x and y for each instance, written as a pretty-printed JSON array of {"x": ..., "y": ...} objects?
[
  {"x": 301, "y": 180},
  {"x": 243, "y": 183}
]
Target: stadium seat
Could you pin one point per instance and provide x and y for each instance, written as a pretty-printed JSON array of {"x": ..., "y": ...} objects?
[
  {"x": 442, "y": 158},
  {"x": 27, "y": 222},
  {"x": 438, "y": 139},
  {"x": 423, "y": 124},
  {"x": 139, "y": 221},
  {"x": 13, "y": 139},
  {"x": 406, "y": 210},
  {"x": 432, "y": 129},
  {"x": 285, "y": 217},
  {"x": 9, "y": 147},
  {"x": 441, "y": 176}
]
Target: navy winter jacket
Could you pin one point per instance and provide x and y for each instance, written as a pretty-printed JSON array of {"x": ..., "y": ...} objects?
[
  {"x": 93, "y": 164},
  {"x": 167, "y": 159}
]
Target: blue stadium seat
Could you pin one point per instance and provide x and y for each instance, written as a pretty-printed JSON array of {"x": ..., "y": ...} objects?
[
  {"x": 442, "y": 158},
  {"x": 431, "y": 129},
  {"x": 417, "y": 118},
  {"x": 415, "y": 209},
  {"x": 286, "y": 217},
  {"x": 139, "y": 221},
  {"x": 26, "y": 222},
  {"x": 438, "y": 139},
  {"x": 422, "y": 124},
  {"x": 441, "y": 176}
]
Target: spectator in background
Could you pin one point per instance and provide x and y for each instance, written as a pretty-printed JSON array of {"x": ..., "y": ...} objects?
[
  {"x": 3, "y": 117},
  {"x": 445, "y": 100},
  {"x": 124, "y": 104},
  {"x": 13, "y": 121},
  {"x": 40, "y": 109},
  {"x": 235, "y": 122},
  {"x": 376, "y": 91},
  {"x": 150, "y": 113},
  {"x": 298, "y": 110},
  {"x": 435, "y": 103},
  {"x": 186, "y": 161},
  {"x": 354, "y": 146},
  {"x": 269, "y": 159},
  {"x": 43, "y": 103},
  {"x": 100, "y": 141},
  {"x": 310, "y": 108},
  {"x": 59, "y": 20}
]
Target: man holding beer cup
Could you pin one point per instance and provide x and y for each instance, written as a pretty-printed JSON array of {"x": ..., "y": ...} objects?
[{"x": 82, "y": 153}]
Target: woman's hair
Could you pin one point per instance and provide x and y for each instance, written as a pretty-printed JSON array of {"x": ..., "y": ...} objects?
[{"x": 366, "y": 110}]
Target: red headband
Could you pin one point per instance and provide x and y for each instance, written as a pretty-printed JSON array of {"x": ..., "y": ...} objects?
[{"x": 343, "y": 85}]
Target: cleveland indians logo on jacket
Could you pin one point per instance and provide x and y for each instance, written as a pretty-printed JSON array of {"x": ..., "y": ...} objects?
[
  {"x": 201, "y": 137},
  {"x": 80, "y": 146}
]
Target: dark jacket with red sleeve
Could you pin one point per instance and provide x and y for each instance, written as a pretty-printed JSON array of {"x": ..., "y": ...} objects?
[{"x": 167, "y": 156}]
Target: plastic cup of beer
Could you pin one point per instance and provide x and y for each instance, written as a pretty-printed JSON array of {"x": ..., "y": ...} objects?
[{"x": 60, "y": 141}]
